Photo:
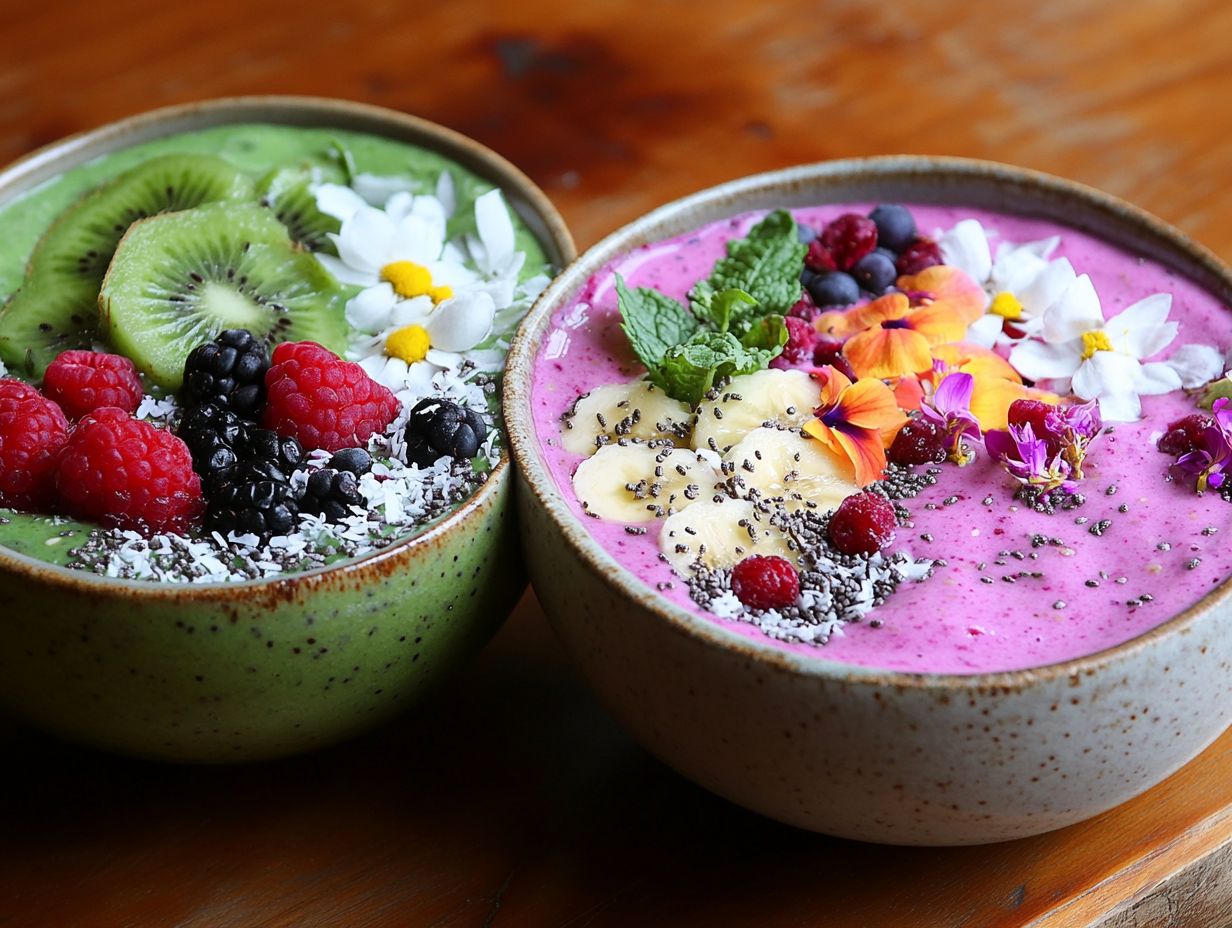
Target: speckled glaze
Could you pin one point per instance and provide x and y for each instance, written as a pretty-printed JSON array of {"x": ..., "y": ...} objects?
[
  {"x": 902, "y": 758},
  {"x": 228, "y": 672}
]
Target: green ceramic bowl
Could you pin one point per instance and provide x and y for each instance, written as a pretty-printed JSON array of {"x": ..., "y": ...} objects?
[{"x": 229, "y": 672}]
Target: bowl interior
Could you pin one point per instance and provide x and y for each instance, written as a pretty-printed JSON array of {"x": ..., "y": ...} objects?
[
  {"x": 522, "y": 195},
  {"x": 909, "y": 179}
]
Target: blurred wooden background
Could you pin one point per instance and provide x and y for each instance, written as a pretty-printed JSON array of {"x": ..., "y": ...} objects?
[{"x": 513, "y": 799}]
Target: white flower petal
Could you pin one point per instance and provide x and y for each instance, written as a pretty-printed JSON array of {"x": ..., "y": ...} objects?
[
  {"x": 461, "y": 323},
  {"x": 1046, "y": 287},
  {"x": 966, "y": 247},
  {"x": 410, "y": 312},
  {"x": 369, "y": 310},
  {"x": 1156, "y": 378},
  {"x": 1196, "y": 364},
  {"x": 1016, "y": 266},
  {"x": 1106, "y": 373},
  {"x": 1140, "y": 330},
  {"x": 446, "y": 193},
  {"x": 984, "y": 330},
  {"x": 1042, "y": 361},
  {"x": 416, "y": 239},
  {"x": 495, "y": 229},
  {"x": 378, "y": 190},
  {"x": 430, "y": 210},
  {"x": 444, "y": 359},
  {"x": 399, "y": 206},
  {"x": 1077, "y": 310},
  {"x": 419, "y": 378},
  {"x": 365, "y": 239},
  {"x": 338, "y": 201},
  {"x": 343, "y": 272}
]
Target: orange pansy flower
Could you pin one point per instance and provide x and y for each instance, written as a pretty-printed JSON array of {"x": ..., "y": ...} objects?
[
  {"x": 895, "y": 338},
  {"x": 942, "y": 285},
  {"x": 856, "y": 420}
]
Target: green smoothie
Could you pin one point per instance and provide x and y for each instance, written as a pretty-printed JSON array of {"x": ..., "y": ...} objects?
[{"x": 255, "y": 150}]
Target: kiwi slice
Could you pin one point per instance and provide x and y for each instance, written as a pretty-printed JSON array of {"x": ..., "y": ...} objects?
[
  {"x": 288, "y": 192},
  {"x": 179, "y": 279},
  {"x": 57, "y": 305}
]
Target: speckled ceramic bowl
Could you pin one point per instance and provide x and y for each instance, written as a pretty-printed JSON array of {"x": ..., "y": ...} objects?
[
  {"x": 217, "y": 673},
  {"x": 849, "y": 751}
]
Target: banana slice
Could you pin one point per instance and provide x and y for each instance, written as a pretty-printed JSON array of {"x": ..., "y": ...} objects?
[
  {"x": 719, "y": 534},
  {"x": 782, "y": 463},
  {"x": 786, "y": 397},
  {"x": 637, "y": 410},
  {"x": 633, "y": 483}
]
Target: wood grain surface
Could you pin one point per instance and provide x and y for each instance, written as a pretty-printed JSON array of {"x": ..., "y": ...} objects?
[{"x": 513, "y": 799}]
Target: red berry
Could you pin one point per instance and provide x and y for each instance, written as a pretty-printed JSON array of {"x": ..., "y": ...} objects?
[
  {"x": 1034, "y": 413},
  {"x": 819, "y": 258},
  {"x": 805, "y": 308},
  {"x": 125, "y": 473},
  {"x": 828, "y": 350},
  {"x": 322, "y": 400},
  {"x": 83, "y": 381},
  {"x": 864, "y": 523},
  {"x": 921, "y": 253},
  {"x": 32, "y": 432},
  {"x": 849, "y": 238},
  {"x": 798, "y": 351},
  {"x": 920, "y": 441},
  {"x": 1183, "y": 434},
  {"x": 765, "y": 582}
]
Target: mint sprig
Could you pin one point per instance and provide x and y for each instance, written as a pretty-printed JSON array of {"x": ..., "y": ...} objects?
[
  {"x": 736, "y": 325},
  {"x": 765, "y": 264}
]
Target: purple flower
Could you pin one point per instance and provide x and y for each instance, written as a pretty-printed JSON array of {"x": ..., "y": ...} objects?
[
  {"x": 1026, "y": 459},
  {"x": 950, "y": 410},
  {"x": 1208, "y": 464},
  {"x": 1072, "y": 429}
]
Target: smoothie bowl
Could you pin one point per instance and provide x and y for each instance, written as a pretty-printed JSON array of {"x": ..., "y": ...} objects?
[
  {"x": 886, "y": 497},
  {"x": 255, "y": 491}
]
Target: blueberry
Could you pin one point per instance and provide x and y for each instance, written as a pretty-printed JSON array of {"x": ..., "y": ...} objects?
[
  {"x": 895, "y": 226},
  {"x": 875, "y": 272},
  {"x": 805, "y": 233},
  {"x": 834, "y": 288}
]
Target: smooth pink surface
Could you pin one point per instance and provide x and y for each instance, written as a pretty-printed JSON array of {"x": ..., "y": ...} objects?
[{"x": 955, "y": 622}]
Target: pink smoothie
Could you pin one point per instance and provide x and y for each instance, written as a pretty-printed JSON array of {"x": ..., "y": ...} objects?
[{"x": 1170, "y": 544}]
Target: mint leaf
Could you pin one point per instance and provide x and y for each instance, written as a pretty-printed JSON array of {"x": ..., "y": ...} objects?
[
  {"x": 765, "y": 264},
  {"x": 652, "y": 322},
  {"x": 689, "y": 371},
  {"x": 723, "y": 306},
  {"x": 769, "y": 332}
]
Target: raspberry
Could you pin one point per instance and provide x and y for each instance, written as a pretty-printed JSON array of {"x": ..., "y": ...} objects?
[
  {"x": 829, "y": 350},
  {"x": 83, "y": 381},
  {"x": 921, "y": 253},
  {"x": 799, "y": 348},
  {"x": 325, "y": 402},
  {"x": 123, "y": 472},
  {"x": 849, "y": 238},
  {"x": 805, "y": 308},
  {"x": 765, "y": 582},
  {"x": 32, "y": 432},
  {"x": 819, "y": 258},
  {"x": 920, "y": 441},
  {"x": 1034, "y": 413},
  {"x": 1184, "y": 434},
  {"x": 864, "y": 523}
]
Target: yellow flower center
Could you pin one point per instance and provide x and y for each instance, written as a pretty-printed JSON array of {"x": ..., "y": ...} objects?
[
  {"x": 410, "y": 343},
  {"x": 410, "y": 280},
  {"x": 1006, "y": 305},
  {"x": 1093, "y": 341}
]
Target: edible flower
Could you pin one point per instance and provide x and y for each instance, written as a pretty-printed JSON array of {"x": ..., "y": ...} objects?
[
  {"x": 997, "y": 385},
  {"x": 1072, "y": 429},
  {"x": 1207, "y": 465},
  {"x": 950, "y": 409},
  {"x": 855, "y": 420},
  {"x": 1104, "y": 360},
  {"x": 893, "y": 335},
  {"x": 1029, "y": 460}
]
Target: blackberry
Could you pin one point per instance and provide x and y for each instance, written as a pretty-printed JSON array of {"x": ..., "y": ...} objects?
[
  {"x": 212, "y": 434},
  {"x": 333, "y": 489},
  {"x": 228, "y": 372},
  {"x": 253, "y": 498},
  {"x": 440, "y": 428}
]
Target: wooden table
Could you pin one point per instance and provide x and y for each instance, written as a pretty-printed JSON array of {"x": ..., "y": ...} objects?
[{"x": 513, "y": 799}]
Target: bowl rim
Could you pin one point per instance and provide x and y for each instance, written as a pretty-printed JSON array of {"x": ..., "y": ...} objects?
[
  {"x": 729, "y": 199},
  {"x": 522, "y": 195}
]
